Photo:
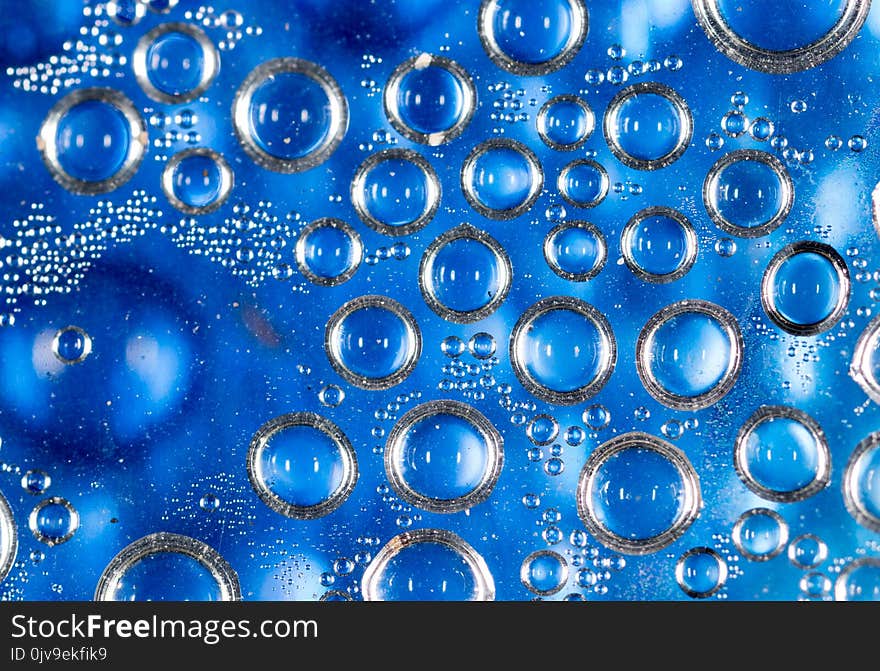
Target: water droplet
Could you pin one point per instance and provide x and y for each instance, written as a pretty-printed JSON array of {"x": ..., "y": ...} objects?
[
  {"x": 648, "y": 126},
  {"x": 805, "y": 288},
  {"x": 71, "y": 345},
  {"x": 760, "y": 534},
  {"x": 331, "y": 396},
  {"x": 861, "y": 483},
  {"x": 444, "y": 456},
  {"x": 562, "y": 350},
  {"x": 430, "y": 99},
  {"x": 452, "y": 346},
  {"x": 329, "y": 252},
  {"x": 659, "y": 244},
  {"x": 53, "y": 521},
  {"x": 396, "y": 192},
  {"x": 748, "y": 193},
  {"x": 197, "y": 181},
  {"x": 701, "y": 572},
  {"x": 289, "y": 115},
  {"x": 482, "y": 345},
  {"x": 501, "y": 178},
  {"x": 465, "y": 275},
  {"x": 565, "y": 122},
  {"x": 532, "y": 39},
  {"x": 301, "y": 465},
  {"x": 583, "y": 183},
  {"x": 93, "y": 140},
  {"x": 575, "y": 251},
  {"x": 427, "y": 565},
  {"x": 35, "y": 482},
  {"x": 209, "y": 502},
  {"x": 544, "y": 572},
  {"x": 859, "y": 581},
  {"x": 781, "y": 454},
  {"x": 597, "y": 417},
  {"x": 168, "y": 567},
  {"x": 373, "y": 342},
  {"x": 689, "y": 354},
  {"x": 175, "y": 62}
]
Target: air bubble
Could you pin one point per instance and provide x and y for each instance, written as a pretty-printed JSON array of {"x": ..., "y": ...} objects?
[
  {"x": 648, "y": 126},
  {"x": 396, "y": 192},
  {"x": 807, "y": 551},
  {"x": 637, "y": 494},
  {"x": 444, "y": 456},
  {"x": 501, "y": 178},
  {"x": 373, "y": 342},
  {"x": 575, "y": 251},
  {"x": 427, "y": 565},
  {"x": 301, "y": 465},
  {"x": 430, "y": 99},
  {"x": 35, "y": 482},
  {"x": 328, "y": 252},
  {"x": 465, "y": 275},
  {"x": 8, "y": 538},
  {"x": 175, "y": 62},
  {"x": 289, "y": 115},
  {"x": 859, "y": 581},
  {"x": 562, "y": 350},
  {"x": 168, "y": 567},
  {"x": 526, "y": 38},
  {"x": 782, "y": 455}
]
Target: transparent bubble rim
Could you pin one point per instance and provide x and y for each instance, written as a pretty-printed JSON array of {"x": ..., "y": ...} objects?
[
  {"x": 577, "y": 36},
  {"x": 785, "y": 183},
  {"x": 524, "y": 572},
  {"x": 860, "y": 368},
  {"x": 768, "y": 413},
  {"x": 542, "y": 122},
  {"x": 722, "y": 572},
  {"x": 821, "y": 557},
  {"x": 605, "y": 366},
  {"x": 643, "y": 355},
  {"x": 137, "y": 141},
  {"x": 738, "y": 530},
  {"x": 227, "y": 179},
  {"x": 300, "y": 251},
  {"x": 339, "y": 115},
  {"x": 210, "y": 67},
  {"x": 851, "y": 498},
  {"x": 465, "y": 232},
  {"x": 221, "y": 571},
  {"x": 601, "y": 244},
  {"x": 434, "y": 191},
  {"x": 840, "y": 584},
  {"x": 689, "y": 509},
  {"x": 87, "y": 344},
  {"x": 767, "y": 299},
  {"x": 553, "y": 436},
  {"x": 346, "y": 453},
  {"x": 494, "y": 456},
  {"x": 685, "y": 118},
  {"x": 603, "y": 177},
  {"x": 35, "y": 513},
  {"x": 467, "y": 178},
  {"x": 805, "y": 57},
  {"x": 691, "y": 244},
  {"x": 8, "y": 531},
  {"x": 420, "y": 62},
  {"x": 373, "y": 301},
  {"x": 483, "y": 581}
]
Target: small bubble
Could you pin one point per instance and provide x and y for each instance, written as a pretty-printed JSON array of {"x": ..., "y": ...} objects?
[
  {"x": 798, "y": 106},
  {"x": 725, "y": 247},
  {"x": 331, "y": 396},
  {"x": 739, "y": 99},
  {"x": 642, "y": 413},
  {"x": 672, "y": 429},
  {"x": 36, "y": 482},
  {"x": 209, "y": 502},
  {"x": 616, "y": 52},
  {"x": 531, "y": 501},
  {"x": 714, "y": 141},
  {"x": 554, "y": 466},
  {"x": 452, "y": 346},
  {"x": 482, "y": 345},
  {"x": 597, "y": 417},
  {"x": 857, "y": 143},
  {"x": 833, "y": 142}
]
